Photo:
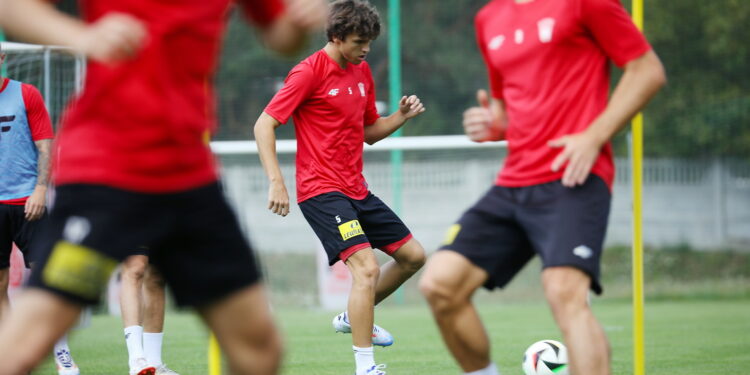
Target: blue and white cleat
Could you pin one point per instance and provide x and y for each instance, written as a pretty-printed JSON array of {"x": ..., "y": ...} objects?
[
  {"x": 65, "y": 363},
  {"x": 374, "y": 370},
  {"x": 380, "y": 336}
]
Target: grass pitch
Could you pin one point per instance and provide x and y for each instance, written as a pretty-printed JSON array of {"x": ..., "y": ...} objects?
[{"x": 689, "y": 336}]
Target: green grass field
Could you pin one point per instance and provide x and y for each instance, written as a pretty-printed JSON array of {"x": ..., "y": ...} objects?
[{"x": 688, "y": 336}]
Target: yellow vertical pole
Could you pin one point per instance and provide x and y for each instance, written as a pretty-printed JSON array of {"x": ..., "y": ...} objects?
[
  {"x": 214, "y": 356},
  {"x": 639, "y": 362}
]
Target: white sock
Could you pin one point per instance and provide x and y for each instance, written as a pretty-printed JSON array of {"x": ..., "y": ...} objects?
[
  {"x": 489, "y": 370},
  {"x": 364, "y": 358},
  {"x": 62, "y": 344},
  {"x": 134, "y": 341},
  {"x": 152, "y": 347}
]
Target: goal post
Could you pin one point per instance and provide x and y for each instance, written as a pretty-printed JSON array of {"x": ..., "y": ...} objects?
[{"x": 57, "y": 72}]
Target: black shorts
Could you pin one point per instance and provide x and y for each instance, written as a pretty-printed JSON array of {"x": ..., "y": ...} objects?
[
  {"x": 14, "y": 228},
  {"x": 193, "y": 239},
  {"x": 345, "y": 225},
  {"x": 506, "y": 227}
]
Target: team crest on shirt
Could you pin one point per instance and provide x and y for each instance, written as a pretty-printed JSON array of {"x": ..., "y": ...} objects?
[
  {"x": 545, "y": 27},
  {"x": 361, "y": 88}
]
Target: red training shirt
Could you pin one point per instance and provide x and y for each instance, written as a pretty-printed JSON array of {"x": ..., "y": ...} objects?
[
  {"x": 330, "y": 107},
  {"x": 38, "y": 119},
  {"x": 548, "y": 61},
  {"x": 144, "y": 124}
]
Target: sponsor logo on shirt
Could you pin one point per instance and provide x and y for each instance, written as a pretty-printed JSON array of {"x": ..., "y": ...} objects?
[
  {"x": 350, "y": 91},
  {"x": 350, "y": 229},
  {"x": 361, "y": 88},
  {"x": 333, "y": 92},
  {"x": 338, "y": 219},
  {"x": 6, "y": 128}
]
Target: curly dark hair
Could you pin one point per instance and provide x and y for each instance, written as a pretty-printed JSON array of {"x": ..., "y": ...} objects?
[{"x": 353, "y": 17}]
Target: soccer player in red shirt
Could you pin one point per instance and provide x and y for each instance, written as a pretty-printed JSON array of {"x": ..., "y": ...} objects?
[
  {"x": 134, "y": 168},
  {"x": 331, "y": 96},
  {"x": 548, "y": 64}
]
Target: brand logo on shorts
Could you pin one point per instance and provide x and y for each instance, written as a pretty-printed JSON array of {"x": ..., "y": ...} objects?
[
  {"x": 338, "y": 219},
  {"x": 350, "y": 229},
  {"x": 583, "y": 251},
  {"x": 76, "y": 229}
]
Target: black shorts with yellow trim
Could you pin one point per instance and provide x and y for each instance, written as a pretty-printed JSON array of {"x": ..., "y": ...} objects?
[
  {"x": 193, "y": 238},
  {"x": 345, "y": 225},
  {"x": 509, "y": 225}
]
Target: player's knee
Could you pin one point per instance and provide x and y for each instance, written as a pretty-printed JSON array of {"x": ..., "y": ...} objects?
[
  {"x": 437, "y": 292},
  {"x": 365, "y": 271},
  {"x": 366, "y": 276},
  {"x": 265, "y": 349},
  {"x": 134, "y": 268},
  {"x": 566, "y": 295},
  {"x": 153, "y": 279}
]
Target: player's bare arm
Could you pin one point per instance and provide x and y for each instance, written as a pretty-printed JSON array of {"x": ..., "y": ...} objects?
[
  {"x": 113, "y": 37},
  {"x": 408, "y": 108},
  {"x": 265, "y": 138},
  {"x": 289, "y": 33},
  {"x": 35, "y": 204},
  {"x": 487, "y": 121},
  {"x": 641, "y": 80}
]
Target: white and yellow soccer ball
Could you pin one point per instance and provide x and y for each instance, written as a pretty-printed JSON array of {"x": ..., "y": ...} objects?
[{"x": 546, "y": 357}]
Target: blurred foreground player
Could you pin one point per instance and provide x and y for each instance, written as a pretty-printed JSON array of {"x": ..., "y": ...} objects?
[
  {"x": 548, "y": 64},
  {"x": 135, "y": 168}
]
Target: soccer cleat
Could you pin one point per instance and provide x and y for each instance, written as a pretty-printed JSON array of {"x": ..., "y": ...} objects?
[
  {"x": 65, "y": 363},
  {"x": 380, "y": 336},
  {"x": 141, "y": 367},
  {"x": 164, "y": 370},
  {"x": 374, "y": 370}
]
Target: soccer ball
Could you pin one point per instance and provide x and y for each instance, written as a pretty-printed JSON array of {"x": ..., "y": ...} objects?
[{"x": 546, "y": 357}]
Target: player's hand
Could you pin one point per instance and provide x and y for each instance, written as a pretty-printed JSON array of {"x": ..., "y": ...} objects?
[
  {"x": 580, "y": 152},
  {"x": 278, "y": 199},
  {"x": 34, "y": 208},
  {"x": 477, "y": 121},
  {"x": 112, "y": 38},
  {"x": 410, "y": 107},
  {"x": 307, "y": 15}
]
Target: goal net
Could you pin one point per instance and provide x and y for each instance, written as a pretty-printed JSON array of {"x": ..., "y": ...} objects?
[{"x": 53, "y": 70}]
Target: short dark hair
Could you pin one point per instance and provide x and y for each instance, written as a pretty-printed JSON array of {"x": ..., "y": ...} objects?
[{"x": 353, "y": 17}]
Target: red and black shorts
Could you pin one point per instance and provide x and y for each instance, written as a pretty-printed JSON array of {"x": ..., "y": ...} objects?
[
  {"x": 508, "y": 226},
  {"x": 193, "y": 239},
  {"x": 345, "y": 225}
]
